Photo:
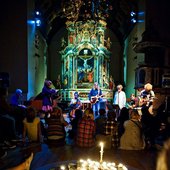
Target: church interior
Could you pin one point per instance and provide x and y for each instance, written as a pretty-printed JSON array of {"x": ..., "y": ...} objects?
[{"x": 75, "y": 43}]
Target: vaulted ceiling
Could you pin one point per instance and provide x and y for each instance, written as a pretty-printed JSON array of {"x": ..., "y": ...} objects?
[{"x": 54, "y": 14}]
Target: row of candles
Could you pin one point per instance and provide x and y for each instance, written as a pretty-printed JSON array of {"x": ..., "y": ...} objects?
[{"x": 94, "y": 165}]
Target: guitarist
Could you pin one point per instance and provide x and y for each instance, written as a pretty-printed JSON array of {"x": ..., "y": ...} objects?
[
  {"x": 75, "y": 104},
  {"x": 95, "y": 96},
  {"x": 148, "y": 120}
]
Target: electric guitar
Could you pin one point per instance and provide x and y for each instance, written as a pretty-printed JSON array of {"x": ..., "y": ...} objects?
[{"x": 95, "y": 99}]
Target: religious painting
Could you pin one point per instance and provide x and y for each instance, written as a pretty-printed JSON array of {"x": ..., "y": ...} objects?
[{"x": 85, "y": 71}]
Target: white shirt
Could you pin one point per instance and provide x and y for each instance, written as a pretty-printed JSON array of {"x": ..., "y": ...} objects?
[{"x": 120, "y": 99}]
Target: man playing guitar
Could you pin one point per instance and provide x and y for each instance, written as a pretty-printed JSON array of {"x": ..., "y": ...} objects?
[
  {"x": 95, "y": 96},
  {"x": 149, "y": 122},
  {"x": 146, "y": 97},
  {"x": 75, "y": 104}
]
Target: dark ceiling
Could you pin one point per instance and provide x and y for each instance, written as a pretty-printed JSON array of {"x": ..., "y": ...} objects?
[{"x": 116, "y": 13}]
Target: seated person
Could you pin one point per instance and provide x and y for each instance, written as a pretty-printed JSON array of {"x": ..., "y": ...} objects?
[
  {"x": 18, "y": 109},
  {"x": 74, "y": 123},
  {"x": 16, "y": 99},
  {"x": 7, "y": 122},
  {"x": 132, "y": 103},
  {"x": 75, "y": 104},
  {"x": 132, "y": 138},
  {"x": 86, "y": 130},
  {"x": 32, "y": 127},
  {"x": 163, "y": 160},
  {"x": 56, "y": 127},
  {"x": 100, "y": 121},
  {"x": 111, "y": 128}
]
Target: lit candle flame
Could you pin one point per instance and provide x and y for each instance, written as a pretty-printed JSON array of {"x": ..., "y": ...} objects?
[{"x": 101, "y": 151}]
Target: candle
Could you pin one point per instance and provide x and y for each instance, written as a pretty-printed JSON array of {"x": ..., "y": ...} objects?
[
  {"x": 101, "y": 145},
  {"x": 62, "y": 167},
  {"x": 101, "y": 151}
]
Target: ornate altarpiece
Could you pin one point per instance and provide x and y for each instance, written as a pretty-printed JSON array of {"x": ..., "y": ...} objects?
[{"x": 85, "y": 59}]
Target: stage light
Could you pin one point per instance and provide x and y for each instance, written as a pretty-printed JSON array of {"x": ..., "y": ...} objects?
[
  {"x": 37, "y": 13},
  {"x": 31, "y": 22},
  {"x": 132, "y": 14},
  {"x": 133, "y": 20},
  {"x": 141, "y": 13},
  {"x": 140, "y": 20},
  {"x": 38, "y": 22}
]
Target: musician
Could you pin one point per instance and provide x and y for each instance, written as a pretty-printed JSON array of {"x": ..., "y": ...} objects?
[
  {"x": 47, "y": 100},
  {"x": 149, "y": 122},
  {"x": 147, "y": 95},
  {"x": 75, "y": 104},
  {"x": 95, "y": 97},
  {"x": 120, "y": 97},
  {"x": 133, "y": 102}
]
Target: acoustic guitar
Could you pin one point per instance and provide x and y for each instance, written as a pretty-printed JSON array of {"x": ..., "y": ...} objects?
[{"x": 148, "y": 103}]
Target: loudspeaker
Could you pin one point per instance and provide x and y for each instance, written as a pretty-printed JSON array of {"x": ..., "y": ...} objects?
[{"x": 4, "y": 80}]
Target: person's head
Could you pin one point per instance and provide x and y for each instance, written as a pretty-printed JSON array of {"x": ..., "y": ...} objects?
[
  {"x": 148, "y": 87},
  {"x": 132, "y": 96},
  {"x": 56, "y": 113},
  {"x": 48, "y": 83},
  {"x": 134, "y": 114},
  {"x": 96, "y": 85},
  {"x": 78, "y": 114},
  {"x": 18, "y": 92},
  {"x": 163, "y": 160},
  {"x": 111, "y": 115},
  {"x": 41, "y": 114},
  {"x": 30, "y": 114},
  {"x": 119, "y": 87},
  {"x": 88, "y": 114},
  {"x": 76, "y": 95}
]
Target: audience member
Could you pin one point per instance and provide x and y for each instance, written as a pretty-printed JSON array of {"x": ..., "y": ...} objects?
[
  {"x": 124, "y": 115},
  {"x": 86, "y": 130},
  {"x": 32, "y": 127},
  {"x": 163, "y": 159},
  {"x": 74, "y": 124},
  {"x": 100, "y": 121},
  {"x": 132, "y": 138},
  {"x": 7, "y": 122},
  {"x": 56, "y": 128},
  {"x": 18, "y": 110},
  {"x": 16, "y": 99},
  {"x": 111, "y": 128}
]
